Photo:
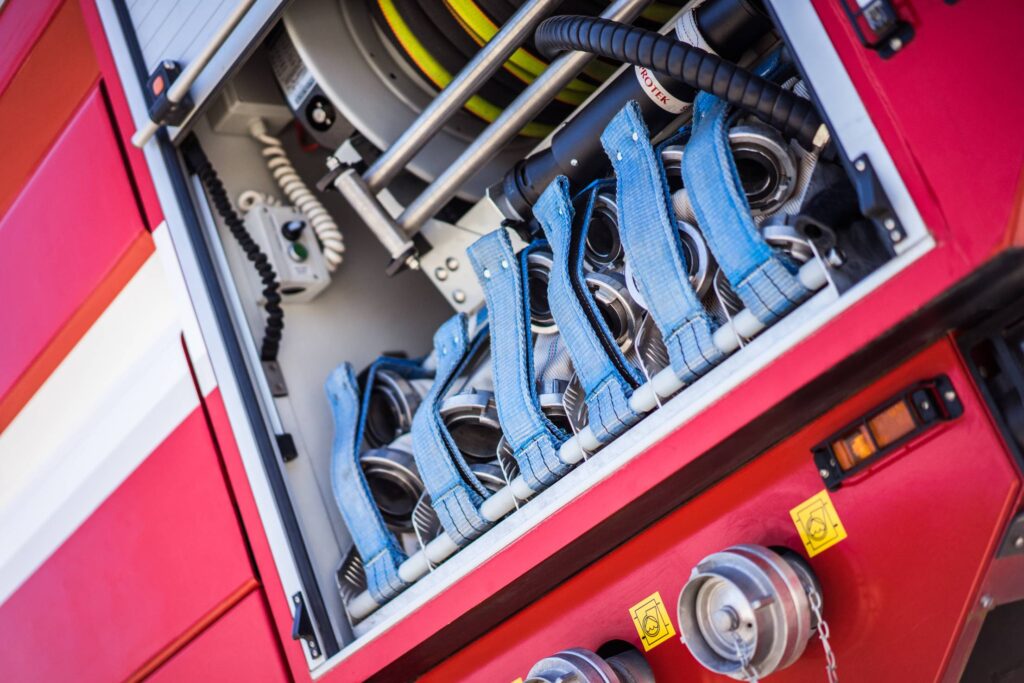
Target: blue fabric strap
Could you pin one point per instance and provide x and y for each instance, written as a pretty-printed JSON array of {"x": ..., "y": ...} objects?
[
  {"x": 455, "y": 492},
  {"x": 650, "y": 236},
  {"x": 763, "y": 279},
  {"x": 606, "y": 379},
  {"x": 533, "y": 438},
  {"x": 376, "y": 545}
]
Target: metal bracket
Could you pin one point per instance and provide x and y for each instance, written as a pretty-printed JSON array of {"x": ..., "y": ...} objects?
[
  {"x": 275, "y": 378},
  {"x": 874, "y": 202},
  {"x": 1013, "y": 541},
  {"x": 878, "y": 26},
  {"x": 302, "y": 626}
]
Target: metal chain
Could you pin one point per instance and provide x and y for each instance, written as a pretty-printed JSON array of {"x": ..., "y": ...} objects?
[
  {"x": 748, "y": 672},
  {"x": 823, "y": 634}
]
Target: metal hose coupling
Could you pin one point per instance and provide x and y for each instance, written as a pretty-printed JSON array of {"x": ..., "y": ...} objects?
[
  {"x": 394, "y": 482},
  {"x": 472, "y": 421},
  {"x": 749, "y": 611},
  {"x": 393, "y": 401},
  {"x": 765, "y": 162},
  {"x": 616, "y": 305},
  {"x": 585, "y": 666},
  {"x": 538, "y": 273},
  {"x": 602, "y": 249}
]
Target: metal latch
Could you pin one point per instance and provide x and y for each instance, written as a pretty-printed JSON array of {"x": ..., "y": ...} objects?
[
  {"x": 302, "y": 626},
  {"x": 878, "y": 25}
]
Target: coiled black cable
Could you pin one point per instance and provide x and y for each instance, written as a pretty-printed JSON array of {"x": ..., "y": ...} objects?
[
  {"x": 790, "y": 113},
  {"x": 202, "y": 167}
]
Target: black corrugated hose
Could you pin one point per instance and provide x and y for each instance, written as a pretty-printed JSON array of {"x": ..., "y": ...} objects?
[
  {"x": 202, "y": 167},
  {"x": 790, "y": 113}
]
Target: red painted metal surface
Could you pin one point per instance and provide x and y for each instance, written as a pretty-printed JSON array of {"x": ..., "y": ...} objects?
[
  {"x": 279, "y": 603},
  {"x": 41, "y": 91},
  {"x": 922, "y": 527},
  {"x": 942, "y": 104},
  {"x": 240, "y": 646},
  {"x": 21, "y": 24},
  {"x": 159, "y": 555},
  {"x": 70, "y": 226},
  {"x": 124, "y": 123}
]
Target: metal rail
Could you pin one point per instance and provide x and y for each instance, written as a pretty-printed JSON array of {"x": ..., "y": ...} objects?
[
  {"x": 361, "y": 190},
  {"x": 432, "y": 119}
]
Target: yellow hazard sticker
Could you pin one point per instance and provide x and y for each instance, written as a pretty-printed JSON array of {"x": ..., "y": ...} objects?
[
  {"x": 518, "y": 680},
  {"x": 651, "y": 621},
  {"x": 818, "y": 523}
]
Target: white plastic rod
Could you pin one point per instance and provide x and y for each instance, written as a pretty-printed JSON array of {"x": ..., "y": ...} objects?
[{"x": 176, "y": 93}]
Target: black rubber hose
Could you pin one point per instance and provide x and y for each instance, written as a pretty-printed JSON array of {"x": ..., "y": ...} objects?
[
  {"x": 202, "y": 167},
  {"x": 790, "y": 113}
]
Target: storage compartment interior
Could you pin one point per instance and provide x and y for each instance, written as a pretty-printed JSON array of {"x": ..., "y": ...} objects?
[{"x": 335, "y": 83}]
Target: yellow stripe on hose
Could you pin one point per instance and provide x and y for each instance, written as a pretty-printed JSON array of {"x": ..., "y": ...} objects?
[
  {"x": 439, "y": 76},
  {"x": 521, "y": 64}
]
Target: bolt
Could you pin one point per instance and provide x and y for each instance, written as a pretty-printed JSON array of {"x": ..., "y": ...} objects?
[
  {"x": 825, "y": 474},
  {"x": 889, "y": 224},
  {"x": 441, "y": 273},
  {"x": 333, "y": 163},
  {"x": 452, "y": 263},
  {"x": 459, "y": 296},
  {"x": 895, "y": 236},
  {"x": 895, "y": 44},
  {"x": 860, "y": 165},
  {"x": 1018, "y": 542},
  {"x": 987, "y": 602},
  {"x": 574, "y": 162},
  {"x": 412, "y": 263},
  {"x": 950, "y": 396}
]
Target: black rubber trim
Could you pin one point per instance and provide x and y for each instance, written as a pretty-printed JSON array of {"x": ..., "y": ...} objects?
[{"x": 208, "y": 270}]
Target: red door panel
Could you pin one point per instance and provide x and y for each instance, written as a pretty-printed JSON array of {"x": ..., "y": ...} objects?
[
  {"x": 39, "y": 92},
  {"x": 240, "y": 646},
  {"x": 921, "y": 527},
  {"x": 157, "y": 557},
  {"x": 61, "y": 245},
  {"x": 947, "y": 93}
]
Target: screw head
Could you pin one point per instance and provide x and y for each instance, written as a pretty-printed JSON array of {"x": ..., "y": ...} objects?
[
  {"x": 889, "y": 224},
  {"x": 987, "y": 602},
  {"x": 574, "y": 162},
  {"x": 825, "y": 474},
  {"x": 895, "y": 44},
  {"x": 452, "y": 263},
  {"x": 949, "y": 395},
  {"x": 459, "y": 296},
  {"x": 860, "y": 165},
  {"x": 412, "y": 263},
  {"x": 441, "y": 273},
  {"x": 1018, "y": 542}
]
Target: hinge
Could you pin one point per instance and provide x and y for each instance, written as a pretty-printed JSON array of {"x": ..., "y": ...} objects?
[
  {"x": 302, "y": 626},
  {"x": 874, "y": 202}
]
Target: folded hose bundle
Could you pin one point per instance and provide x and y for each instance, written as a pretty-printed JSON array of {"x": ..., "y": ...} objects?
[{"x": 790, "y": 113}]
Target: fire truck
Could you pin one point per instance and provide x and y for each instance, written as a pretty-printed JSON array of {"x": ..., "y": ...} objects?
[{"x": 532, "y": 341}]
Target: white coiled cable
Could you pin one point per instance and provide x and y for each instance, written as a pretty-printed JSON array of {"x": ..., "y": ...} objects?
[{"x": 300, "y": 196}]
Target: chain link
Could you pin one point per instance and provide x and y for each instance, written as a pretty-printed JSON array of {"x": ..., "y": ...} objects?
[
  {"x": 823, "y": 634},
  {"x": 749, "y": 673}
]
